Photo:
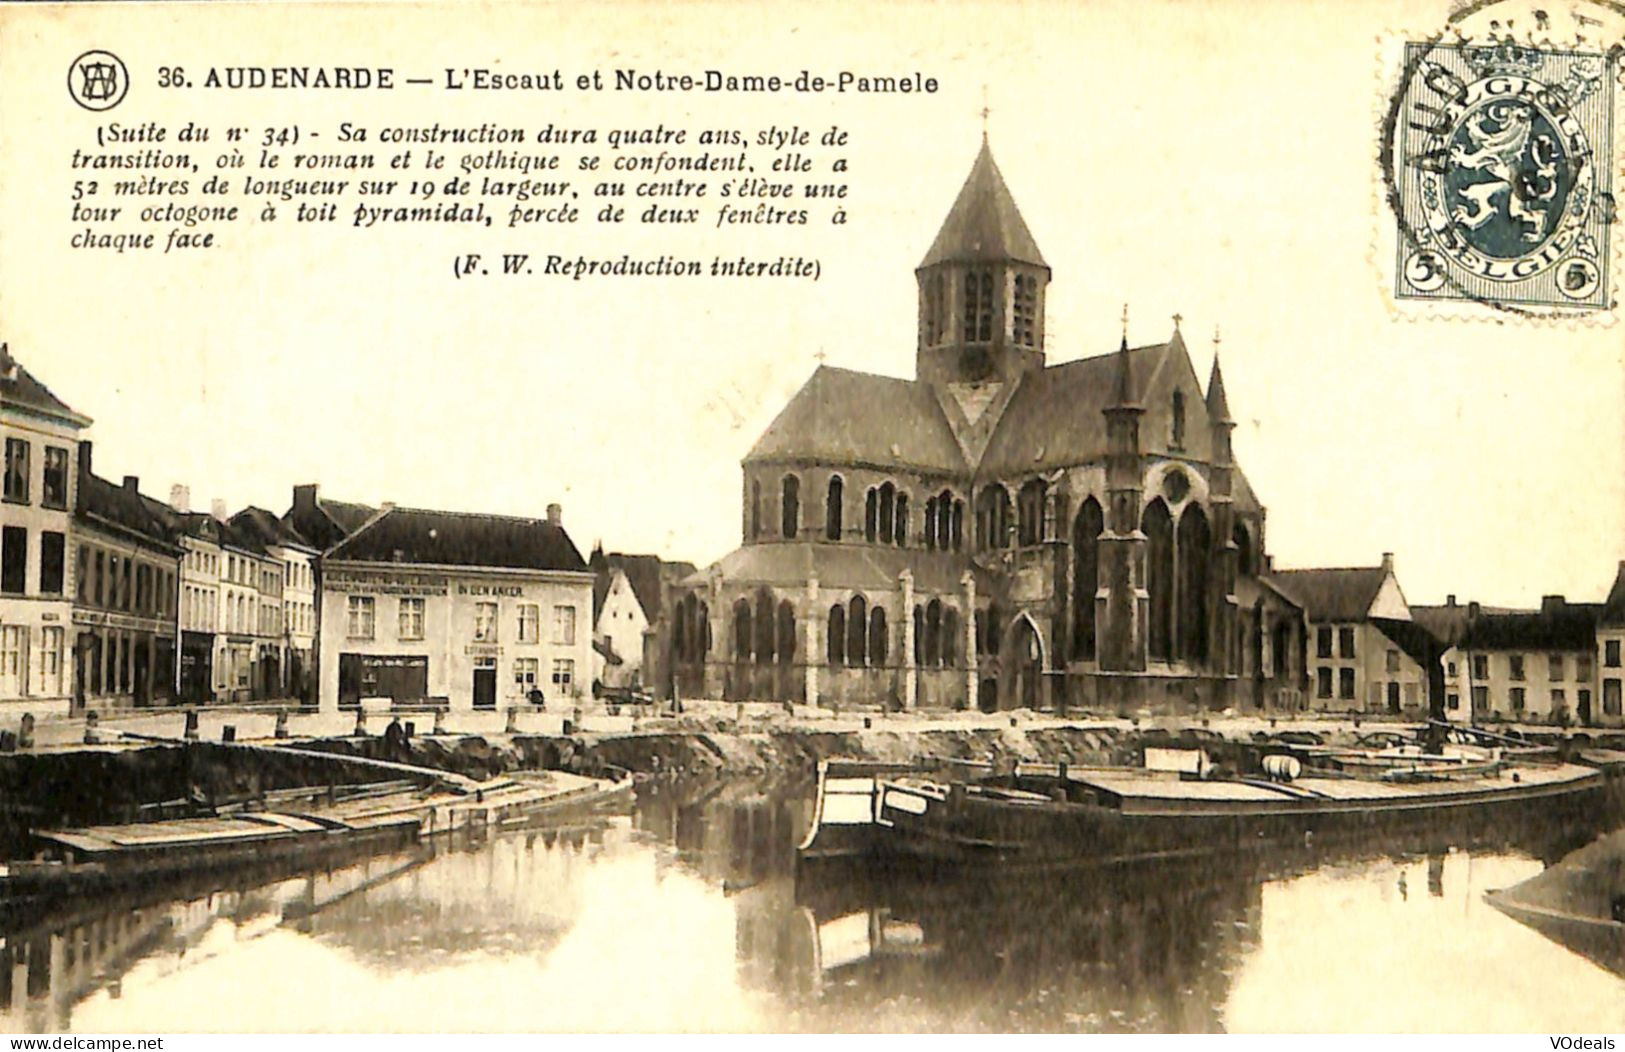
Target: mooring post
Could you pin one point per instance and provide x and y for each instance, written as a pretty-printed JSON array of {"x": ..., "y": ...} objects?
[
  {"x": 25, "y": 732},
  {"x": 439, "y": 722},
  {"x": 513, "y": 720},
  {"x": 190, "y": 734},
  {"x": 91, "y": 734},
  {"x": 360, "y": 723},
  {"x": 281, "y": 723},
  {"x": 228, "y": 733}
]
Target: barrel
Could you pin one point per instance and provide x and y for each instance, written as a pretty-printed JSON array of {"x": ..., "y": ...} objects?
[{"x": 1282, "y": 768}]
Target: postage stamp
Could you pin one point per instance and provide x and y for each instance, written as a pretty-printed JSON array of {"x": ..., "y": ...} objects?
[
  {"x": 1499, "y": 158},
  {"x": 1501, "y": 196}
]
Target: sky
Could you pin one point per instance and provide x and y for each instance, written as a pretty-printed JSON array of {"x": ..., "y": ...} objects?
[{"x": 1217, "y": 161}]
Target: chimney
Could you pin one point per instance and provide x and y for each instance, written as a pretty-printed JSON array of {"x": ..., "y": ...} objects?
[
  {"x": 217, "y": 508},
  {"x": 1450, "y": 600},
  {"x": 1387, "y": 562},
  {"x": 84, "y": 473},
  {"x": 555, "y": 515},
  {"x": 304, "y": 497},
  {"x": 1551, "y": 604},
  {"x": 132, "y": 483},
  {"x": 180, "y": 498},
  {"x": 1473, "y": 610}
]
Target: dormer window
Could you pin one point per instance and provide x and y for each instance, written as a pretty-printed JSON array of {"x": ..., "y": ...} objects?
[
  {"x": 978, "y": 306},
  {"x": 1024, "y": 315}
]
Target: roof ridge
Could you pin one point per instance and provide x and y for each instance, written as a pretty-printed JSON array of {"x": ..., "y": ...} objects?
[{"x": 540, "y": 521}]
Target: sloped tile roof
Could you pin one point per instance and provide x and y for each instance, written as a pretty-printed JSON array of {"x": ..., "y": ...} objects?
[
  {"x": 844, "y": 566},
  {"x": 1054, "y": 419},
  {"x": 1613, "y": 608},
  {"x": 1572, "y": 626},
  {"x": 984, "y": 224},
  {"x": 119, "y": 506},
  {"x": 19, "y": 387},
  {"x": 444, "y": 538},
  {"x": 266, "y": 528},
  {"x": 844, "y": 417},
  {"x": 1341, "y": 594}
]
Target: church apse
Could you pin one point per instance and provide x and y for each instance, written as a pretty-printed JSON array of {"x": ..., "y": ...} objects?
[{"x": 998, "y": 531}]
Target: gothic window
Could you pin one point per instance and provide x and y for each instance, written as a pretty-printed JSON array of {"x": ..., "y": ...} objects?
[
  {"x": 787, "y": 632},
  {"x": 679, "y": 630},
  {"x": 877, "y": 637},
  {"x": 837, "y": 635},
  {"x": 919, "y": 636},
  {"x": 1159, "y": 578},
  {"x": 935, "y": 308},
  {"x": 791, "y": 505},
  {"x": 993, "y": 517},
  {"x": 950, "y": 637},
  {"x": 742, "y": 626},
  {"x": 931, "y": 524},
  {"x": 1244, "y": 551},
  {"x": 995, "y": 628},
  {"x": 957, "y": 527},
  {"x": 1086, "y": 529},
  {"x": 871, "y": 515},
  {"x": 1030, "y": 512},
  {"x": 1025, "y": 316},
  {"x": 857, "y": 627},
  {"x": 1194, "y": 542},
  {"x": 1177, "y": 439},
  {"x": 888, "y": 511},
  {"x": 978, "y": 306},
  {"x": 832, "y": 508},
  {"x": 900, "y": 528},
  {"x": 764, "y": 627},
  {"x": 933, "y": 633},
  {"x": 755, "y": 509}
]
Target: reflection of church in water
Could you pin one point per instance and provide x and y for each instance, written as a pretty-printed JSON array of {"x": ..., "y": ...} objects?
[{"x": 997, "y": 531}]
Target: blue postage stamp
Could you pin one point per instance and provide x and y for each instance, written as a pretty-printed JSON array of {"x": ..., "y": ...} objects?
[{"x": 1502, "y": 176}]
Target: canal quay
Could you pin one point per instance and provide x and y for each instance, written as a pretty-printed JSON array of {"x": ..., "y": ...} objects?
[{"x": 683, "y": 907}]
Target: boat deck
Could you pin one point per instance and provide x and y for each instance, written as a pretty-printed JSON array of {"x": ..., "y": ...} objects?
[{"x": 1151, "y": 793}]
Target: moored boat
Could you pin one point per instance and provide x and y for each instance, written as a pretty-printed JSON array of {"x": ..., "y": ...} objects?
[{"x": 1179, "y": 805}]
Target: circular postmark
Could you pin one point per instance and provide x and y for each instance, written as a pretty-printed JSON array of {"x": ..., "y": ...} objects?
[
  {"x": 1497, "y": 158},
  {"x": 98, "y": 80}
]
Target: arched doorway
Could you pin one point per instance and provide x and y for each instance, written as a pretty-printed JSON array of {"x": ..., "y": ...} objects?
[{"x": 1024, "y": 657}]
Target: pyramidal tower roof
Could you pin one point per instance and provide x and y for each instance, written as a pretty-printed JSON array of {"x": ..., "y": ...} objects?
[
  {"x": 984, "y": 224},
  {"x": 1218, "y": 406}
]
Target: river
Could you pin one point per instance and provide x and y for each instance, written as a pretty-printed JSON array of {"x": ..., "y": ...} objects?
[{"x": 687, "y": 914}]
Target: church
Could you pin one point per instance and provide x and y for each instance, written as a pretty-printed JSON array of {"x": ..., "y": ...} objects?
[{"x": 997, "y": 532}]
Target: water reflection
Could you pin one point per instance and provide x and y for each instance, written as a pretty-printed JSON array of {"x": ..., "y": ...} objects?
[{"x": 689, "y": 914}]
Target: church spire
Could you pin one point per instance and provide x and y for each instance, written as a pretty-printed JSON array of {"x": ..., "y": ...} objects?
[
  {"x": 1124, "y": 389},
  {"x": 984, "y": 225},
  {"x": 1218, "y": 406}
]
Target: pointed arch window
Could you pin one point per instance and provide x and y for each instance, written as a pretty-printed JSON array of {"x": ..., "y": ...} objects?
[
  {"x": 1030, "y": 512},
  {"x": 742, "y": 630},
  {"x": 1159, "y": 579},
  {"x": 787, "y": 632},
  {"x": 993, "y": 517},
  {"x": 764, "y": 624},
  {"x": 956, "y": 529},
  {"x": 791, "y": 505},
  {"x": 919, "y": 636},
  {"x": 832, "y": 508},
  {"x": 935, "y": 309},
  {"x": 950, "y": 637},
  {"x": 933, "y": 633},
  {"x": 900, "y": 528},
  {"x": 877, "y": 637},
  {"x": 836, "y": 644},
  {"x": 871, "y": 515},
  {"x": 1177, "y": 439},
  {"x": 978, "y": 305},
  {"x": 1194, "y": 541},
  {"x": 1086, "y": 530},
  {"x": 857, "y": 629},
  {"x": 1244, "y": 551},
  {"x": 1024, "y": 316},
  {"x": 888, "y": 511},
  {"x": 755, "y": 508}
]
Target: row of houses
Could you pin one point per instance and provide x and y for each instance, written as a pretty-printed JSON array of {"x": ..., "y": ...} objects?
[{"x": 111, "y": 599}]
